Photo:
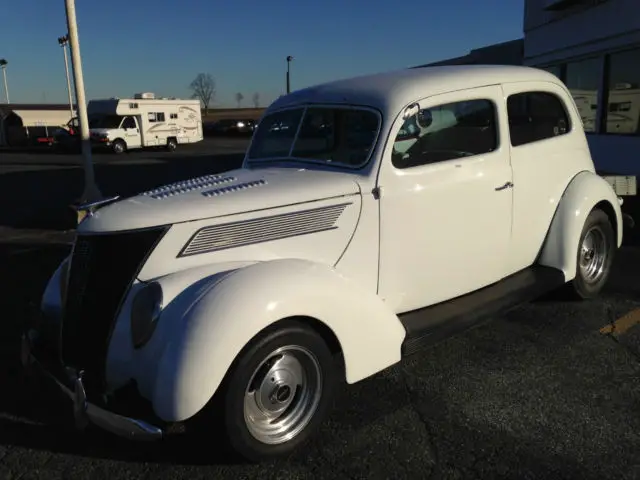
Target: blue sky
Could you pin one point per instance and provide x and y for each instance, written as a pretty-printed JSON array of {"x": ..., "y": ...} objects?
[{"x": 143, "y": 45}]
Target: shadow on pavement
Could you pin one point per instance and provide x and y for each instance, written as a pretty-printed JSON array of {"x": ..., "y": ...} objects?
[{"x": 41, "y": 198}]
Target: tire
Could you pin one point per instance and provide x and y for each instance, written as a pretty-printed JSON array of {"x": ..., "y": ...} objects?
[
  {"x": 596, "y": 251},
  {"x": 254, "y": 385},
  {"x": 172, "y": 144},
  {"x": 119, "y": 147}
]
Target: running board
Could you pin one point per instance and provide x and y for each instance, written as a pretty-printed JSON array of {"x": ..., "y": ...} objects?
[{"x": 430, "y": 325}]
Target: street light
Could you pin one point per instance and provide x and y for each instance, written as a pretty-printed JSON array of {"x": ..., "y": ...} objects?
[
  {"x": 63, "y": 42},
  {"x": 91, "y": 192},
  {"x": 289, "y": 58},
  {"x": 3, "y": 64}
]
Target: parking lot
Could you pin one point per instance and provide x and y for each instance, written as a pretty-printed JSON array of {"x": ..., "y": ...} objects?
[{"x": 551, "y": 390}]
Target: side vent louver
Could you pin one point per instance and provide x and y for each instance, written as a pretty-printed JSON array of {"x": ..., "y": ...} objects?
[
  {"x": 233, "y": 188},
  {"x": 186, "y": 186},
  {"x": 266, "y": 229}
]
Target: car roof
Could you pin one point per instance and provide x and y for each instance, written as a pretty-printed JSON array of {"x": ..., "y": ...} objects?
[{"x": 392, "y": 91}]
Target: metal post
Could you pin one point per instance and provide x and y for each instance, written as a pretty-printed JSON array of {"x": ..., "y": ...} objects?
[
  {"x": 91, "y": 191},
  {"x": 3, "y": 63},
  {"x": 64, "y": 42}
]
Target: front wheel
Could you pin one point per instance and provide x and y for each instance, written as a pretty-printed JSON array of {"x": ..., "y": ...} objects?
[
  {"x": 595, "y": 255},
  {"x": 119, "y": 147},
  {"x": 276, "y": 394}
]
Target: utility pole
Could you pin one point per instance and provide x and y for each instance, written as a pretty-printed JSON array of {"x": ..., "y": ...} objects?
[
  {"x": 64, "y": 41},
  {"x": 3, "y": 64},
  {"x": 289, "y": 58},
  {"x": 91, "y": 192}
]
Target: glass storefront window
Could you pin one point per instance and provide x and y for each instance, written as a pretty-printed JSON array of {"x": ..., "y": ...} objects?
[
  {"x": 582, "y": 79},
  {"x": 622, "y": 115}
]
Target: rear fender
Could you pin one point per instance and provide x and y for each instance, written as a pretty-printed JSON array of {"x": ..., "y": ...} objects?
[
  {"x": 585, "y": 191},
  {"x": 220, "y": 323}
]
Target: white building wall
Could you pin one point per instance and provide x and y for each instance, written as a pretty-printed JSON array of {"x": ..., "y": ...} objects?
[{"x": 594, "y": 46}]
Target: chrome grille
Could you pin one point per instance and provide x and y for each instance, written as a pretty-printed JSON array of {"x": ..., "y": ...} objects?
[
  {"x": 102, "y": 269},
  {"x": 266, "y": 229}
]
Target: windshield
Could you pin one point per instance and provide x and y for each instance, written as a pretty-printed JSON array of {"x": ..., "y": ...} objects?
[
  {"x": 105, "y": 121},
  {"x": 333, "y": 135}
]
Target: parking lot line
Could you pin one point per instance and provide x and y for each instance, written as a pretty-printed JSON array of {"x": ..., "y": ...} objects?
[{"x": 623, "y": 324}]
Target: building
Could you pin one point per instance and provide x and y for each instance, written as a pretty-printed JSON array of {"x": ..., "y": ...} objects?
[
  {"x": 24, "y": 124},
  {"x": 594, "y": 47},
  {"x": 506, "y": 53}
]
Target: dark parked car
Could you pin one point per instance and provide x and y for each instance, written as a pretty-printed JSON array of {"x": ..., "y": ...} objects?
[{"x": 232, "y": 126}]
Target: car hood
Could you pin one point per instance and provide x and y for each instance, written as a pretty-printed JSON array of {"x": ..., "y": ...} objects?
[{"x": 229, "y": 193}]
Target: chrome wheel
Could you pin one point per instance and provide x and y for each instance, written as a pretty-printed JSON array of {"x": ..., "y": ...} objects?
[
  {"x": 593, "y": 254},
  {"x": 283, "y": 395}
]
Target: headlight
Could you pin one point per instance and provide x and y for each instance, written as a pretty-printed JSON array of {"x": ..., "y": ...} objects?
[{"x": 145, "y": 311}]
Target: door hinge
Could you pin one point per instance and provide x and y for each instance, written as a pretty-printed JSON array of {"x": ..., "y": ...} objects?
[{"x": 376, "y": 193}]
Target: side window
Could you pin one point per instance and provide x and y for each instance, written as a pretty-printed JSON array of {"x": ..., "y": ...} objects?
[
  {"x": 446, "y": 132},
  {"x": 535, "y": 116},
  {"x": 129, "y": 122},
  {"x": 156, "y": 117}
]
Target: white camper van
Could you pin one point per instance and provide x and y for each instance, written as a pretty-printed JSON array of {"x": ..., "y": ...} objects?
[{"x": 122, "y": 124}]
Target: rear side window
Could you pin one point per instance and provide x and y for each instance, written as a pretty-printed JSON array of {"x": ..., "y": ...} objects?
[{"x": 535, "y": 116}]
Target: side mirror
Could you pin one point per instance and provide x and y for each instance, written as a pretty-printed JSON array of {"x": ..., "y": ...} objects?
[{"x": 424, "y": 118}]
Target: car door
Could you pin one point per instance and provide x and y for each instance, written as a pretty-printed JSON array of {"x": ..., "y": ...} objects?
[
  {"x": 544, "y": 157},
  {"x": 445, "y": 200},
  {"x": 131, "y": 132}
]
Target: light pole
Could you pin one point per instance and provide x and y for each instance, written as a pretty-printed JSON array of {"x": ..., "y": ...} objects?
[
  {"x": 64, "y": 41},
  {"x": 3, "y": 64},
  {"x": 91, "y": 192},
  {"x": 289, "y": 58}
]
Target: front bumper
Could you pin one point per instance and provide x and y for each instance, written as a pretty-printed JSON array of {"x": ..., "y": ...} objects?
[{"x": 85, "y": 412}]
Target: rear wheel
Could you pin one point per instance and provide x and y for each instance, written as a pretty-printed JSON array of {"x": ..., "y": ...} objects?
[
  {"x": 276, "y": 394},
  {"x": 172, "y": 144},
  {"x": 595, "y": 254}
]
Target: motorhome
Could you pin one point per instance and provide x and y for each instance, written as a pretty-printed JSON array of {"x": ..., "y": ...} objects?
[{"x": 144, "y": 121}]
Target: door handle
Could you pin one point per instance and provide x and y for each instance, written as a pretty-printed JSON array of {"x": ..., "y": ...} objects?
[{"x": 504, "y": 187}]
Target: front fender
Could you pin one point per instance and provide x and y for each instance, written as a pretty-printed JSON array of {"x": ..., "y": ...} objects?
[
  {"x": 180, "y": 290},
  {"x": 220, "y": 323},
  {"x": 584, "y": 192}
]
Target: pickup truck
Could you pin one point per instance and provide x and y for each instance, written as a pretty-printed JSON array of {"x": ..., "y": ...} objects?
[{"x": 383, "y": 214}]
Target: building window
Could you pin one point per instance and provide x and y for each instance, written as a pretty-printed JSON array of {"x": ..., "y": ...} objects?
[
  {"x": 622, "y": 115},
  {"x": 173, "y": 116},
  {"x": 583, "y": 79},
  {"x": 446, "y": 132},
  {"x": 535, "y": 116}
]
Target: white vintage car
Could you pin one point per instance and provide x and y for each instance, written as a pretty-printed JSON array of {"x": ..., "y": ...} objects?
[{"x": 371, "y": 217}]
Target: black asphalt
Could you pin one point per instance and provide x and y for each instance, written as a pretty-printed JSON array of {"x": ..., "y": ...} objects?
[{"x": 537, "y": 393}]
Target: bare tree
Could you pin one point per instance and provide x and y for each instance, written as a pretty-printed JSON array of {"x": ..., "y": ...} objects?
[
  {"x": 239, "y": 98},
  {"x": 256, "y": 100},
  {"x": 204, "y": 88}
]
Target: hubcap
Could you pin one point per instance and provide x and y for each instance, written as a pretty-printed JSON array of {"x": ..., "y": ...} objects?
[
  {"x": 593, "y": 255},
  {"x": 283, "y": 395}
]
